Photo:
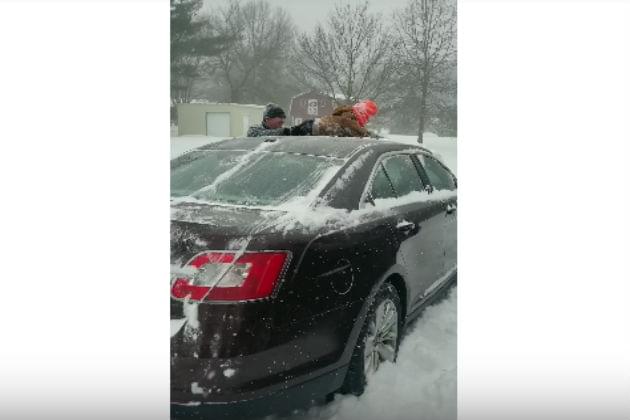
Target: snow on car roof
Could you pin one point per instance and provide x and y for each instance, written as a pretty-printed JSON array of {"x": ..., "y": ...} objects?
[{"x": 338, "y": 147}]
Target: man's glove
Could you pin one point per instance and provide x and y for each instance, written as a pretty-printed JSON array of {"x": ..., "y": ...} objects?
[{"x": 303, "y": 129}]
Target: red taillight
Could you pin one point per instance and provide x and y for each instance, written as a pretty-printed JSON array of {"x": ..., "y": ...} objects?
[{"x": 226, "y": 276}]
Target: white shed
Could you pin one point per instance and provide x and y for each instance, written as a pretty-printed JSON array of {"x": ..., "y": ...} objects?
[{"x": 217, "y": 119}]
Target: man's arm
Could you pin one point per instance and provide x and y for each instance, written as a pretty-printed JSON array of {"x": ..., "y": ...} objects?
[
  {"x": 257, "y": 131},
  {"x": 303, "y": 129}
]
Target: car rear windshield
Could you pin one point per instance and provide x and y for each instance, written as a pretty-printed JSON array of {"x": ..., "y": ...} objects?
[{"x": 248, "y": 178}]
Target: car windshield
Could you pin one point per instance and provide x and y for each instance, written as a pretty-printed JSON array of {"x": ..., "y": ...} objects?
[{"x": 248, "y": 178}]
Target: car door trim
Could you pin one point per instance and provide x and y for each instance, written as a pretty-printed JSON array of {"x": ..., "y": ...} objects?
[{"x": 439, "y": 282}]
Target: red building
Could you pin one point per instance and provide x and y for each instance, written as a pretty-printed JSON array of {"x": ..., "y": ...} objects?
[{"x": 308, "y": 106}]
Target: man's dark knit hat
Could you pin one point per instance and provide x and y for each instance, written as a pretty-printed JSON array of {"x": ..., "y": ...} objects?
[{"x": 273, "y": 110}]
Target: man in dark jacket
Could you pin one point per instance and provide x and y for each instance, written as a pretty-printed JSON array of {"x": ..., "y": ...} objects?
[{"x": 272, "y": 125}]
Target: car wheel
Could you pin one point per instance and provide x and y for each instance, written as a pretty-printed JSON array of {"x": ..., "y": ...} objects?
[{"x": 378, "y": 341}]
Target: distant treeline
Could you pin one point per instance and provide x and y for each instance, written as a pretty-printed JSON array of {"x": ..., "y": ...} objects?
[{"x": 248, "y": 52}]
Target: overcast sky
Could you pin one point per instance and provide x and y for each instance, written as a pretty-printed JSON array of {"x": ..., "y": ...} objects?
[{"x": 307, "y": 13}]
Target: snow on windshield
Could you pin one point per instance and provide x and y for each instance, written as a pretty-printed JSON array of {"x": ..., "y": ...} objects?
[{"x": 254, "y": 178}]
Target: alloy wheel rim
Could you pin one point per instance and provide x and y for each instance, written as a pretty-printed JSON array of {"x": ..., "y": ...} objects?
[{"x": 381, "y": 337}]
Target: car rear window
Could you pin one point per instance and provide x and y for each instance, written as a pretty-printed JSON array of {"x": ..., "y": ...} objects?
[
  {"x": 246, "y": 178},
  {"x": 198, "y": 169}
]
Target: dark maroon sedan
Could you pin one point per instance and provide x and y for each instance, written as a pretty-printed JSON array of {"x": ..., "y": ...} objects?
[{"x": 296, "y": 263}]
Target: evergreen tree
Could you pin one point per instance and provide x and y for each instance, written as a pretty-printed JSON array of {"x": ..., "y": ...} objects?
[{"x": 192, "y": 45}]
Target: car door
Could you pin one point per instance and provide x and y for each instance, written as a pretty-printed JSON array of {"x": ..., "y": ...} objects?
[
  {"x": 444, "y": 183},
  {"x": 416, "y": 223}
]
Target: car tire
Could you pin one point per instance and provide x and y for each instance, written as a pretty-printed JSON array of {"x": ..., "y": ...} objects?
[{"x": 374, "y": 336}]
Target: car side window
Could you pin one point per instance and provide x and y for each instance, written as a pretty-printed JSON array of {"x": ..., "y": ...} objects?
[
  {"x": 440, "y": 177},
  {"x": 381, "y": 187},
  {"x": 403, "y": 174}
]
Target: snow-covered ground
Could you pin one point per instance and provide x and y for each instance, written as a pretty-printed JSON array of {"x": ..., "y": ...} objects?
[{"x": 422, "y": 384}]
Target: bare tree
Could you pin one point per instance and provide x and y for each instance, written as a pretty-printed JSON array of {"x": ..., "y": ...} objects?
[
  {"x": 264, "y": 38},
  {"x": 426, "y": 32},
  {"x": 349, "y": 57}
]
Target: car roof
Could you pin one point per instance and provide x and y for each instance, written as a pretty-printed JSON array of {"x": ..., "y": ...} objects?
[{"x": 337, "y": 147}]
